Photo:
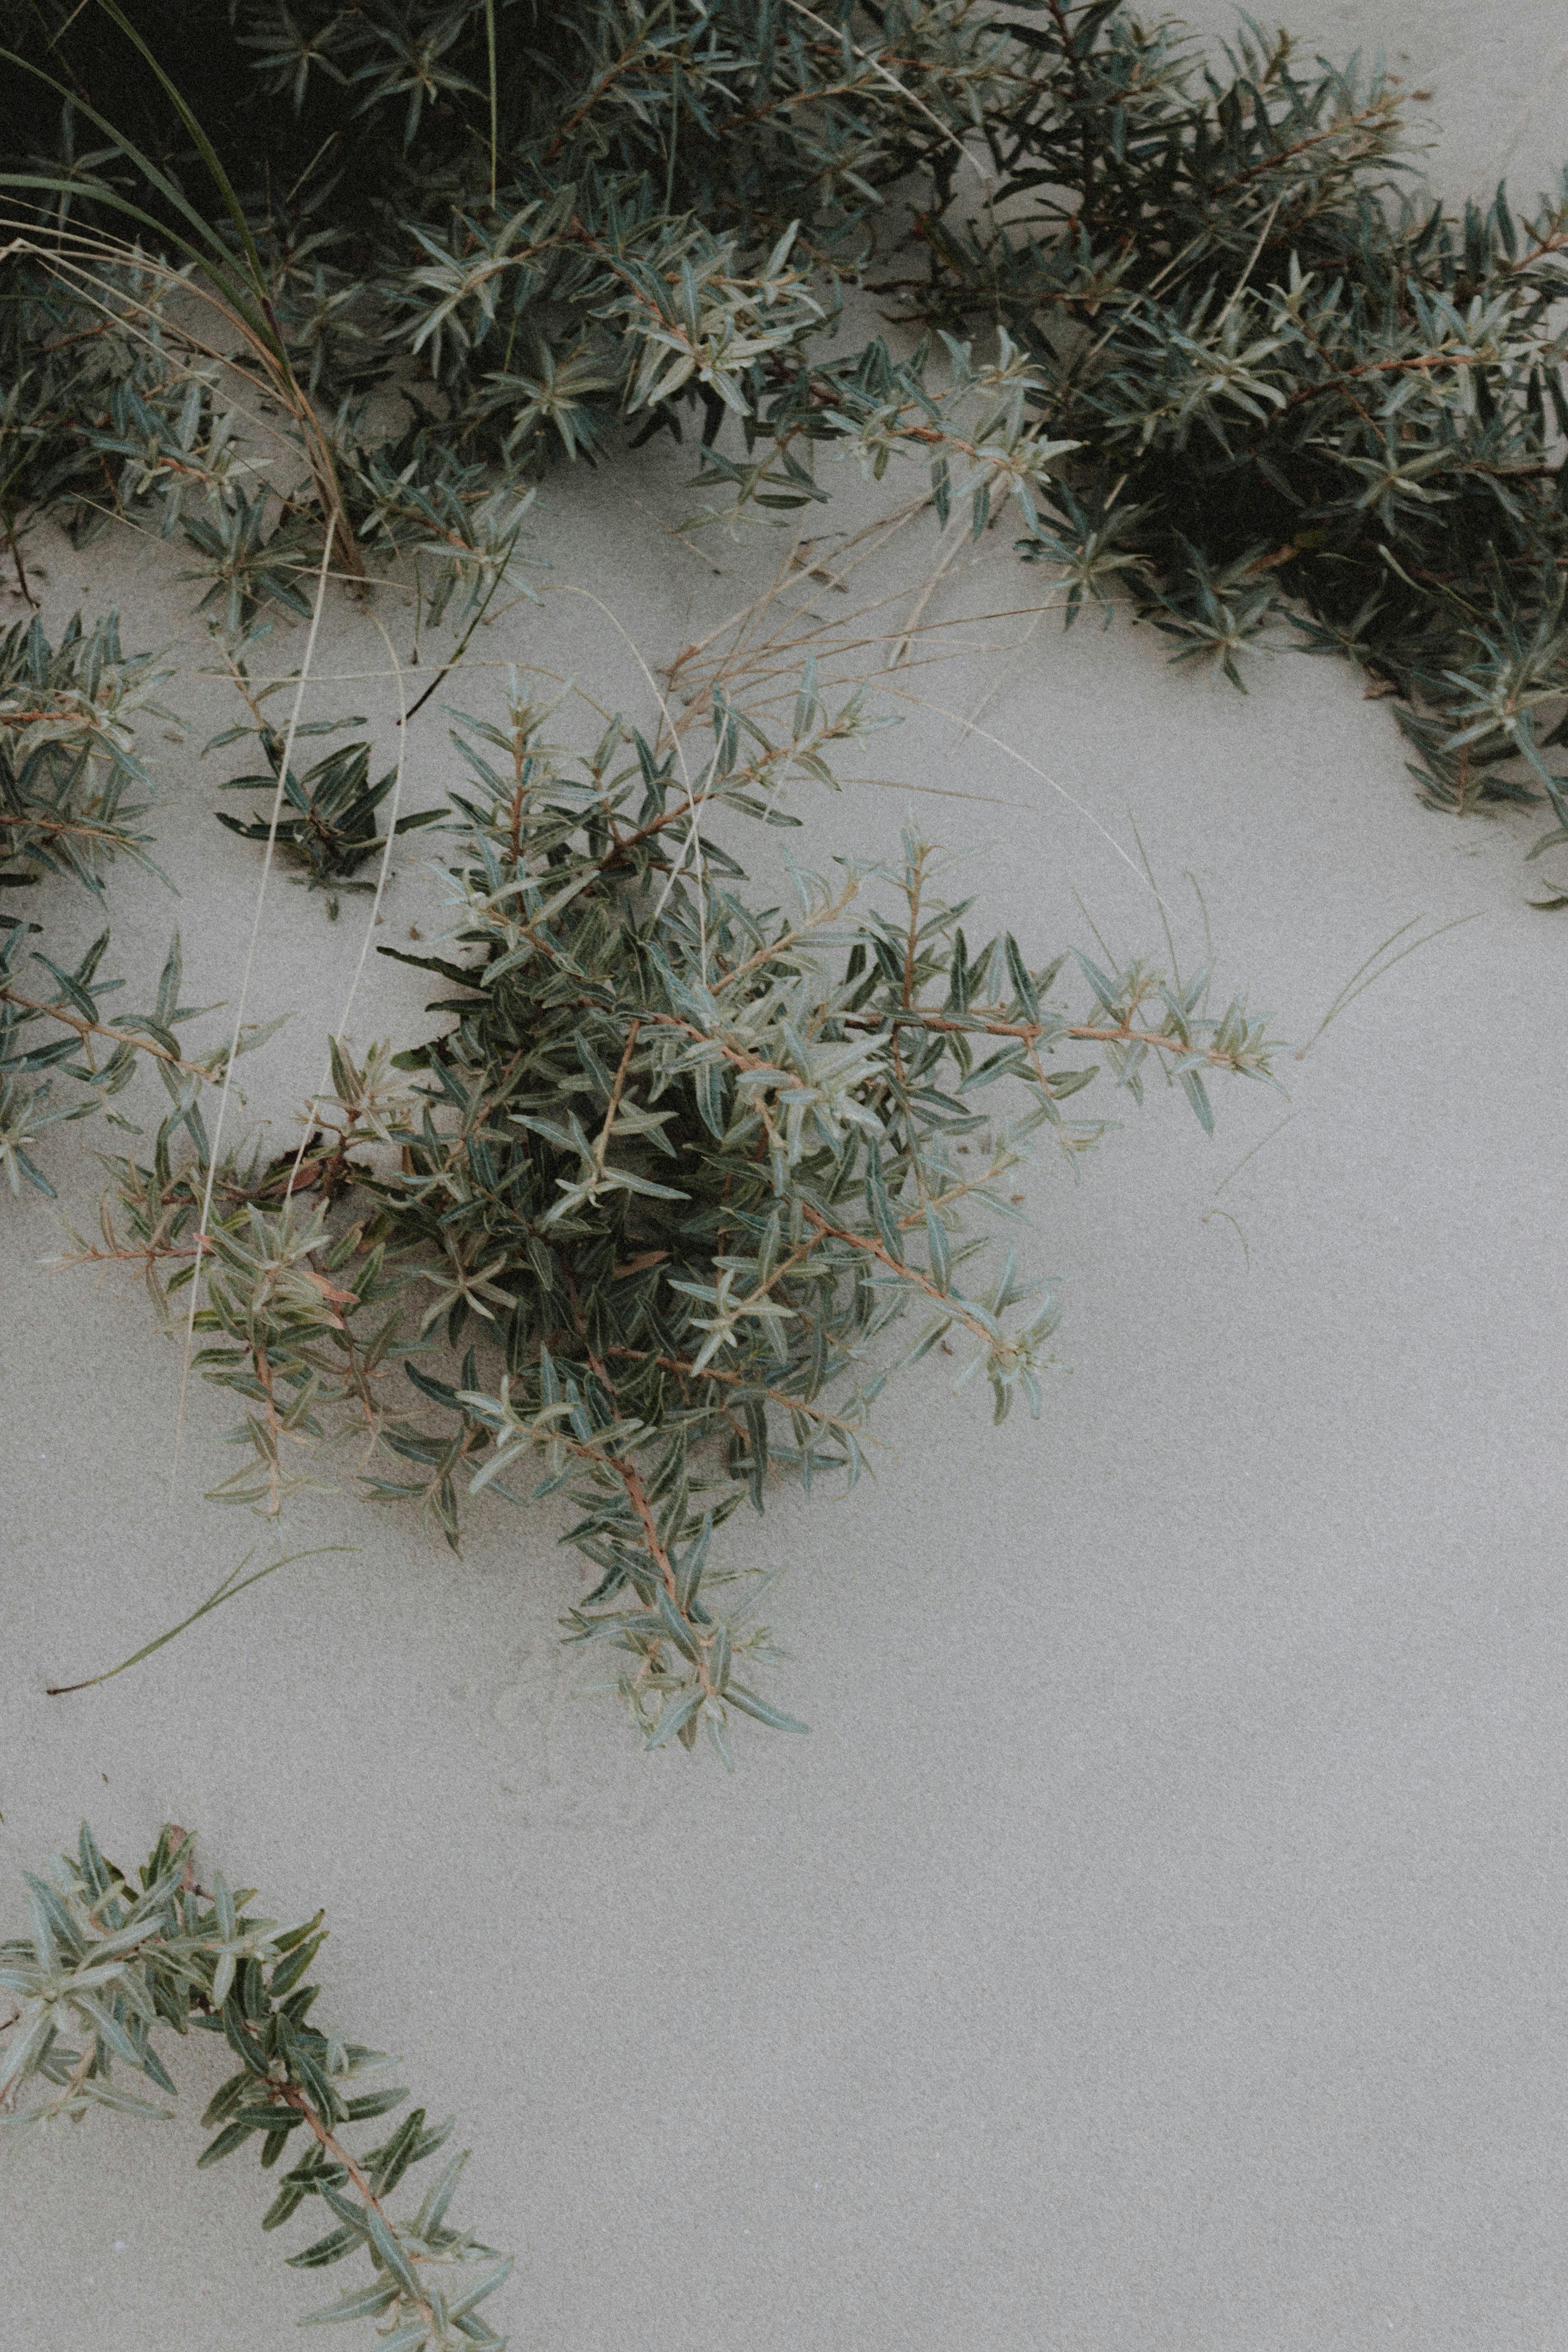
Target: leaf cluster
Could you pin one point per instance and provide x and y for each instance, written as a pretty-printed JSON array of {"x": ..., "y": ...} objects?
[
  {"x": 74, "y": 793},
  {"x": 329, "y": 825},
  {"x": 1308, "y": 405},
  {"x": 112, "y": 1962}
]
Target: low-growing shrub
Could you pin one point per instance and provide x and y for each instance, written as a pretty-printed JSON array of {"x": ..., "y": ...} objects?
[
  {"x": 1304, "y": 404},
  {"x": 666, "y": 1186}
]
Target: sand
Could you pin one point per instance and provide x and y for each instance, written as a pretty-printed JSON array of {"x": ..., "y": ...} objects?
[{"x": 1159, "y": 1940}]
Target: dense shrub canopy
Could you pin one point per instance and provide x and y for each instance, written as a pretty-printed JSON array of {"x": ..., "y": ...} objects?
[{"x": 1305, "y": 402}]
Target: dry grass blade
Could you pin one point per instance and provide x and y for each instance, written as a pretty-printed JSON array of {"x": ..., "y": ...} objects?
[
  {"x": 373, "y": 915},
  {"x": 1356, "y": 985},
  {"x": 214, "y": 1152}
]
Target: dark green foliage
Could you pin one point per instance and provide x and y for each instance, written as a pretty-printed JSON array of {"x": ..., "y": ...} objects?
[
  {"x": 68, "y": 757},
  {"x": 329, "y": 827},
  {"x": 678, "y": 1162},
  {"x": 631, "y": 222},
  {"x": 1308, "y": 406},
  {"x": 73, "y": 795},
  {"x": 110, "y": 1964}
]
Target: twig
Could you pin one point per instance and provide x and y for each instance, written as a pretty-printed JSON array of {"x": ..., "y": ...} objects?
[
  {"x": 245, "y": 975},
  {"x": 602, "y": 1145},
  {"x": 85, "y": 1028}
]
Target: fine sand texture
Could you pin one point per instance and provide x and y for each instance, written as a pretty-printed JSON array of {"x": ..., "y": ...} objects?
[{"x": 1158, "y": 1943}]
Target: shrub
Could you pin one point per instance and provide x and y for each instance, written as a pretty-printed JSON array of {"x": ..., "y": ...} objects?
[
  {"x": 1304, "y": 406},
  {"x": 671, "y": 1176}
]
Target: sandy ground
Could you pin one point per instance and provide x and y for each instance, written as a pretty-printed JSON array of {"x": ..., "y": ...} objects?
[{"x": 1159, "y": 1941}]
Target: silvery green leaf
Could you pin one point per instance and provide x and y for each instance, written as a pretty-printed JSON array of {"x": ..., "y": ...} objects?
[
  {"x": 432, "y": 2211},
  {"x": 391, "y": 2251},
  {"x": 485, "y": 2286},
  {"x": 737, "y": 1695},
  {"x": 33, "y": 2032},
  {"x": 366, "y": 2302},
  {"x": 675, "y": 1717},
  {"x": 124, "y": 2103},
  {"x": 331, "y": 2248}
]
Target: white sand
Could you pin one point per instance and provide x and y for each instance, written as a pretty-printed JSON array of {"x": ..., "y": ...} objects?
[{"x": 1158, "y": 1943}]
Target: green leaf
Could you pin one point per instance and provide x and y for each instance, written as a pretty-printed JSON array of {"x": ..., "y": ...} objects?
[
  {"x": 232, "y": 2136},
  {"x": 366, "y": 2302},
  {"x": 485, "y": 2286},
  {"x": 882, "y": 1217},
  {"x": 409, "y": 2337},
  {"x": 940, "y": 1251},
  {"x": 737, "y": 1695},
  {"x": 676, "y": 1714},
  {"x": 390, "y": 2252},
  {"x": 331, "y": 2248}
]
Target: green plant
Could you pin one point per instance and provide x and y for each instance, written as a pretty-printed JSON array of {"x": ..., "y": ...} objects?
[
  {"x": 677, "y": 1160},
  {"x": 329, "y": 829},
  {"x": 641, "y": 1222},
  {"x": 1307, "y": 405},
  {"x": 69, "y": 772},
  {"x": 627, "y": 224},
  {"x": 1303, "y": 406},
  {"x": 110, "y": 1963}
]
